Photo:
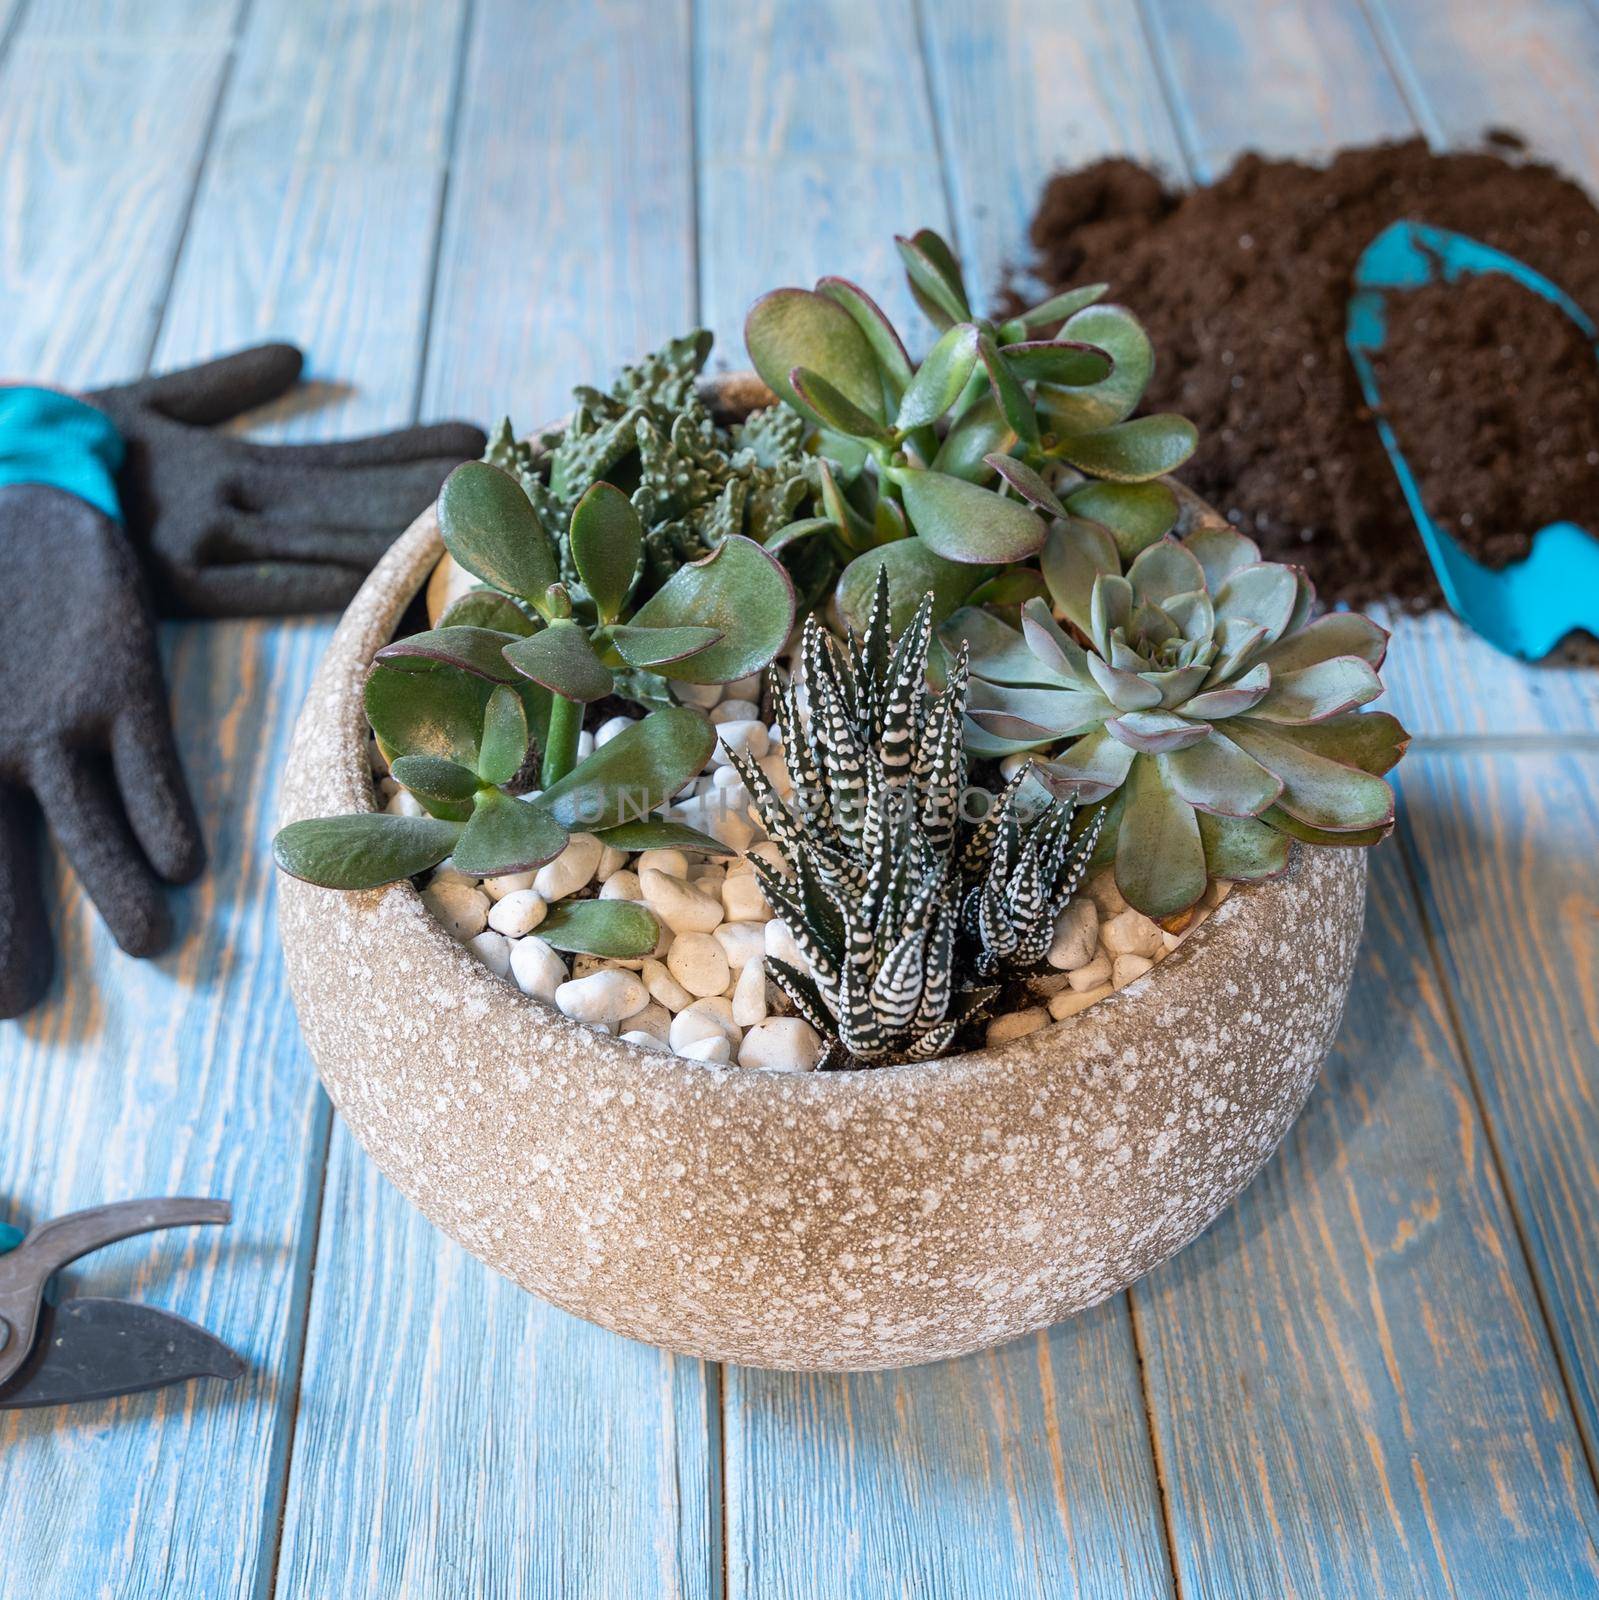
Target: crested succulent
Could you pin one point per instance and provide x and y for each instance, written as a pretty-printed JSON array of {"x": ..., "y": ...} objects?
[
  {"x": 896, "y": 898},
  {"x": 1208, "y": 717},
  {"x": 933, "y": 460},
  {"x": 693, "y": 481}
]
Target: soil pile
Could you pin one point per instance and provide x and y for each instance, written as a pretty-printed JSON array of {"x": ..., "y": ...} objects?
[{"x": 1244, "y": 287}]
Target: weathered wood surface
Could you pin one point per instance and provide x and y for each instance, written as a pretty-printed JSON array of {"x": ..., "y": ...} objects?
[{"x": 1371, "y": 1378}]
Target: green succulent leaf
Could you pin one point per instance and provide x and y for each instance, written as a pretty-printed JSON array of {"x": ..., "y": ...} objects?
[
  {"x": 504, "y": 744},
  {"x": 506, "y": 835},
  {"x": 913, "y": 570},
  {"x": 834, "y": 408},
  {"x": 980, "y": 433},
  {"x": 1012, "y": 399},
  {"x": 661, "y": 833},
  {"x": 935, "y": 277},
  {"x": 474, "y": 650},
  {"x": 1076, "y": 555},
  {"x": 362, "y": 852},
  {"x": 1059, "y": 307},
  {"x": 1289, "y": 827},
  {"x": 794, "y": 532},
  {"x": 607, "y": 544},
  {"x": 1029, "y": 484},
  {"x": 562, "y": 660},
  {"x": 1371, "y": 740},
  {"x": 1097, "y": 765},
  {"x": 431, "y": 778},
  {"x": 621, "y": 929},
  {"x": 489, "y": 610},
  {"x": 790, "y": 328},
  {"x": 1160, "y": 859},
  {"x": 1261, "y": 596},
  {"x": 964, "y": 522},
  {"x": 438, "y": 713},
  {"x": 1023, "y": 711},
  {"x": 490, "y": 527},
  {"x": 1216, "y": 776},
  {"x": 1063, "y": 361},
  {"x": 880, "y": 335},
  {"x": 941, "y": 378},
  {"x": 1013, "y": 587},
  {"x": 1132, "y": 452},
  {"x": 1315, "y": 693},
  {"x": 1117, "y": 332},
  {"x": 636, "y": 772},
  {"x": 655, "y": 647},
  {"x": 1242, "y": 849},
  {"x": 1136, "y": 514},
  {"x": 859, "y": 532},
  {"x": 1221, "y": 552},
  {"x": 738, "y": 590},
  {"x": 1318, "y": 791},
  {"x": 1339, "y": 633}
]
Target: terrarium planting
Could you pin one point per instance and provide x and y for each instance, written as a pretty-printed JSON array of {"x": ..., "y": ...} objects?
[{"x": 1023, "y": 724}]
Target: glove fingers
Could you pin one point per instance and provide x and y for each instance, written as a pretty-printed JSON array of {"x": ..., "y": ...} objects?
[
  {"x": 449, "y": 442},
  {"x": 76, "y": 791},
  {"x": 154, "y": 792},
  {"x": 345, "y": 497},
  {"x": 270, "y": 588},
  {"x": 242, "y": 538},
  {"x": 217, "y": 391},
  {"x": 27, "y": 957}
]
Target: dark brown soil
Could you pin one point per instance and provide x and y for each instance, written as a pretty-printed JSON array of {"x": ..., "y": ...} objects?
[{"x": 1244, "y": 287}]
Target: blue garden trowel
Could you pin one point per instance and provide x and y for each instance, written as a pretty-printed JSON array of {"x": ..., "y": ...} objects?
[{"x": 1528, "y": 607}]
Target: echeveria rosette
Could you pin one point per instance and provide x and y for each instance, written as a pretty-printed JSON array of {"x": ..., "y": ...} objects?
[
  {"x": 1207, "y": 713},
  {"x": 919, "y": 489}
]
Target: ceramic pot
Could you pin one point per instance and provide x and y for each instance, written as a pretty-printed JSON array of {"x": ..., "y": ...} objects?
[{"x": 833, "y": 1220}]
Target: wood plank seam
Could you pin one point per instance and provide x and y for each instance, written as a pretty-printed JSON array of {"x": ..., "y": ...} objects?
[
  {"x": 1176, "y": 103},
  {"x": 12, "y": 27},
  {"x": 1168, "y": 1530},
  {"x": 1497, "y": 1162},
  {"x": 946, "y": 178},
  {"x": 1398, "y": 63}
]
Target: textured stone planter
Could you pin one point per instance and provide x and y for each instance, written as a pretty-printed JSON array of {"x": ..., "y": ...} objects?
[{"x": 838, "y": 1220}]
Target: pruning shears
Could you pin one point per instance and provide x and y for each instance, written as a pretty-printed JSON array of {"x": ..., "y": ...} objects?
[{"x": 58, "y": 1351}]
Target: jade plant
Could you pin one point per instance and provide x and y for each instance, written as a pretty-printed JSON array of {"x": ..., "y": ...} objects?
[
  {"x": 1201, "y": 709},
  {"x": 922, "y": 459},
  {"x": 692, "y": 479},
  {"x": 912, "y": 904}
]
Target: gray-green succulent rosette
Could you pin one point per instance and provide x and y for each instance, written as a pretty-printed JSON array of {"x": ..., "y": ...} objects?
[{"x": 1189, "y": 693}]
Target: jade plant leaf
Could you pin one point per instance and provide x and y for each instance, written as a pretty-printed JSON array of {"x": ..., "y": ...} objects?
[
  {"x": 621, "y": 929},
  {"x": 1013, "y": 587},
  {"x": 1066, "y": 361},
  {"x": 835, "y": 409},
  {"x": 488, "y": 608},
  {"x": 431, "y": 778},
  {"x": 637, "y": 771},
  {"x": 940, "y": 379},
  {"x": 1028, "y": 484},
  {"x": 661, "y": 833},
  {"x": 880, "y": 335},
  {"x": 980, "y": 433},
  {"x": 655, "y": 647},
  {"x": 474, "y": 650},
  {"x": 1059, "y": 307},
  {"x": 913, "y": 570},
  {"x": 490, "y": 527},
  {"x": 506, "y": 835},
  {"x": 563, "y": 661},
  {"x": 962, "y": 522},
  {"x": 1137, "y": 514},
  {"x": 607, "y": 542},
  {"x": 504, "y": 744},
  {"x": 362, "y": 852},
  {"x": 1014, "y": 405},
  {"x": 437, "y": 713},
  {"x": 790, "y": 328},
  {"x": 1133, "y": 452},
  {"x": 935, "y": 277},
  {"x": 1117, "y": 332},
  {"x": 739, "y": 591}
]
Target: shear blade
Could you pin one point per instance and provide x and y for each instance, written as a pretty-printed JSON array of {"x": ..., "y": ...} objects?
[{"x": 90, "y": 1349}]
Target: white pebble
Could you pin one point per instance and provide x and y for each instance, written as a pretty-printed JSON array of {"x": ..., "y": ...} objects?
[
  {"x": 742, "y": 899},
  {"x": 494, "y": 951},
  {"x": 612, "y": 861},
  {"x": 736, "y": 711},
  {"x": 623, "y": 885},
  {"x": 672, "y": 862},
  {"x": 646, "y": 1041},
  {"x": 608, "y": 730},
  {"x": 749, "y": 995},
  {"x": 663, "y": 987},
  {"x": 682, "y": 907},
  {"x": 606, "y": 997},
  {"x": 1128, "y": 969},
  {"x": 653, "y": 1019},
  {"x": 785, "y": 1044},
  {"x": 746, "y": 688},
  {"x": 699, "y": 963},
  {"x": 1076, "y": 934},
  {"x": 1070, "y": 1001},
  {"x": 776, "y": 770},
  {"x": 741, "y": 942},
  {"x": 517, "y": 913},
  {"x": 1131, "y": 933},
  {"x": 1103, "y": 892},
  {"x": 1093, "y": 976},
  {"x": 725, "y": 778},
  {"x": 508, "y": 883},
  {"x": 780, "y": 944},
  {"x": 715, "y": 1049},
  {"x": 703, "y": 695},
  {"x": 747, "y": 736},
  {"x": 537, "y": 968},
  {"x": 1016, "y": 1025},
  {"x": 725, "y": 823},
  {"x": 570, "y": 870},
  {"x": 585, "y": 745},
  {"x": 403, "y": 804},
  {"x": 461, "y": 907},
  {"x": 702, "y": 1020}
]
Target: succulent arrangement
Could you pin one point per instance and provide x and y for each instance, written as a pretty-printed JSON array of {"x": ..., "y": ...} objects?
[{"x": 1016, "y": 667}]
